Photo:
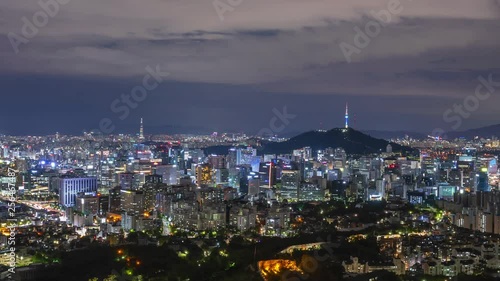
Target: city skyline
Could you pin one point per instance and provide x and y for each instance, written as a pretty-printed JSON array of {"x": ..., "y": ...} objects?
[
  {"x": 250, "y": 140},
  {"x": 150, "y": 131}
]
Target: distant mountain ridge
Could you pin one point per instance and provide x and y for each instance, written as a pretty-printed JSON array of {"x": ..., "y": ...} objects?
[
  {"x": 352, "y": 141},
  {"x": 484, "y": 132},
  {"x": 394, "y": 134}
]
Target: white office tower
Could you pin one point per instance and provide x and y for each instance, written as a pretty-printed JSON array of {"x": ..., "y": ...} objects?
[{"x": 70, "y": 187}]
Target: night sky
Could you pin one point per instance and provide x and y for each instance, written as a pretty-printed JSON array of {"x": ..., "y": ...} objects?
[{"x": 229, "y": 68}]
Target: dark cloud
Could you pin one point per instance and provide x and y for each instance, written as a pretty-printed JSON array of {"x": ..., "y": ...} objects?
[{"x": 262, "y": 55}]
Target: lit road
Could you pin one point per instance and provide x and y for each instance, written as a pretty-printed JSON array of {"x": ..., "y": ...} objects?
[{"x": 37, "y": 205}]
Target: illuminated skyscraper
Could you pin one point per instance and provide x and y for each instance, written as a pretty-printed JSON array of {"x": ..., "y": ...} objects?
[
  {"x": 141, "y": 131},
  {"x": 70, "y": 187},
  {"x": 346, "y": 116},
  {"x": 245, "y": 155},
  {"x": 481, "y": 182},
  {"x": 217, "y": 161},
  {"x": 114, "y": 205},
  {"x": 87, "y": 203},
  {"x": 205, "y": 175},
  {"x": 132, "y": 201},
  {"x": 290, "y": 180},
  {"x": 126, "y": 180},
  {"x": 169, "y": 173}
]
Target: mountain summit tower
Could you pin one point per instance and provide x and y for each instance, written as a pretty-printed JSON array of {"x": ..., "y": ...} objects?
[{"x": 346, "y": 115}]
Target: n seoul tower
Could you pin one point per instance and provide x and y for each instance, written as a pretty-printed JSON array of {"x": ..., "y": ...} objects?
[{"x": 346, "y": 115}]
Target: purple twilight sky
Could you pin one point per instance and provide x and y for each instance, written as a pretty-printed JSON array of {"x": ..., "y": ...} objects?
[{"x": 232, "y": 61}]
